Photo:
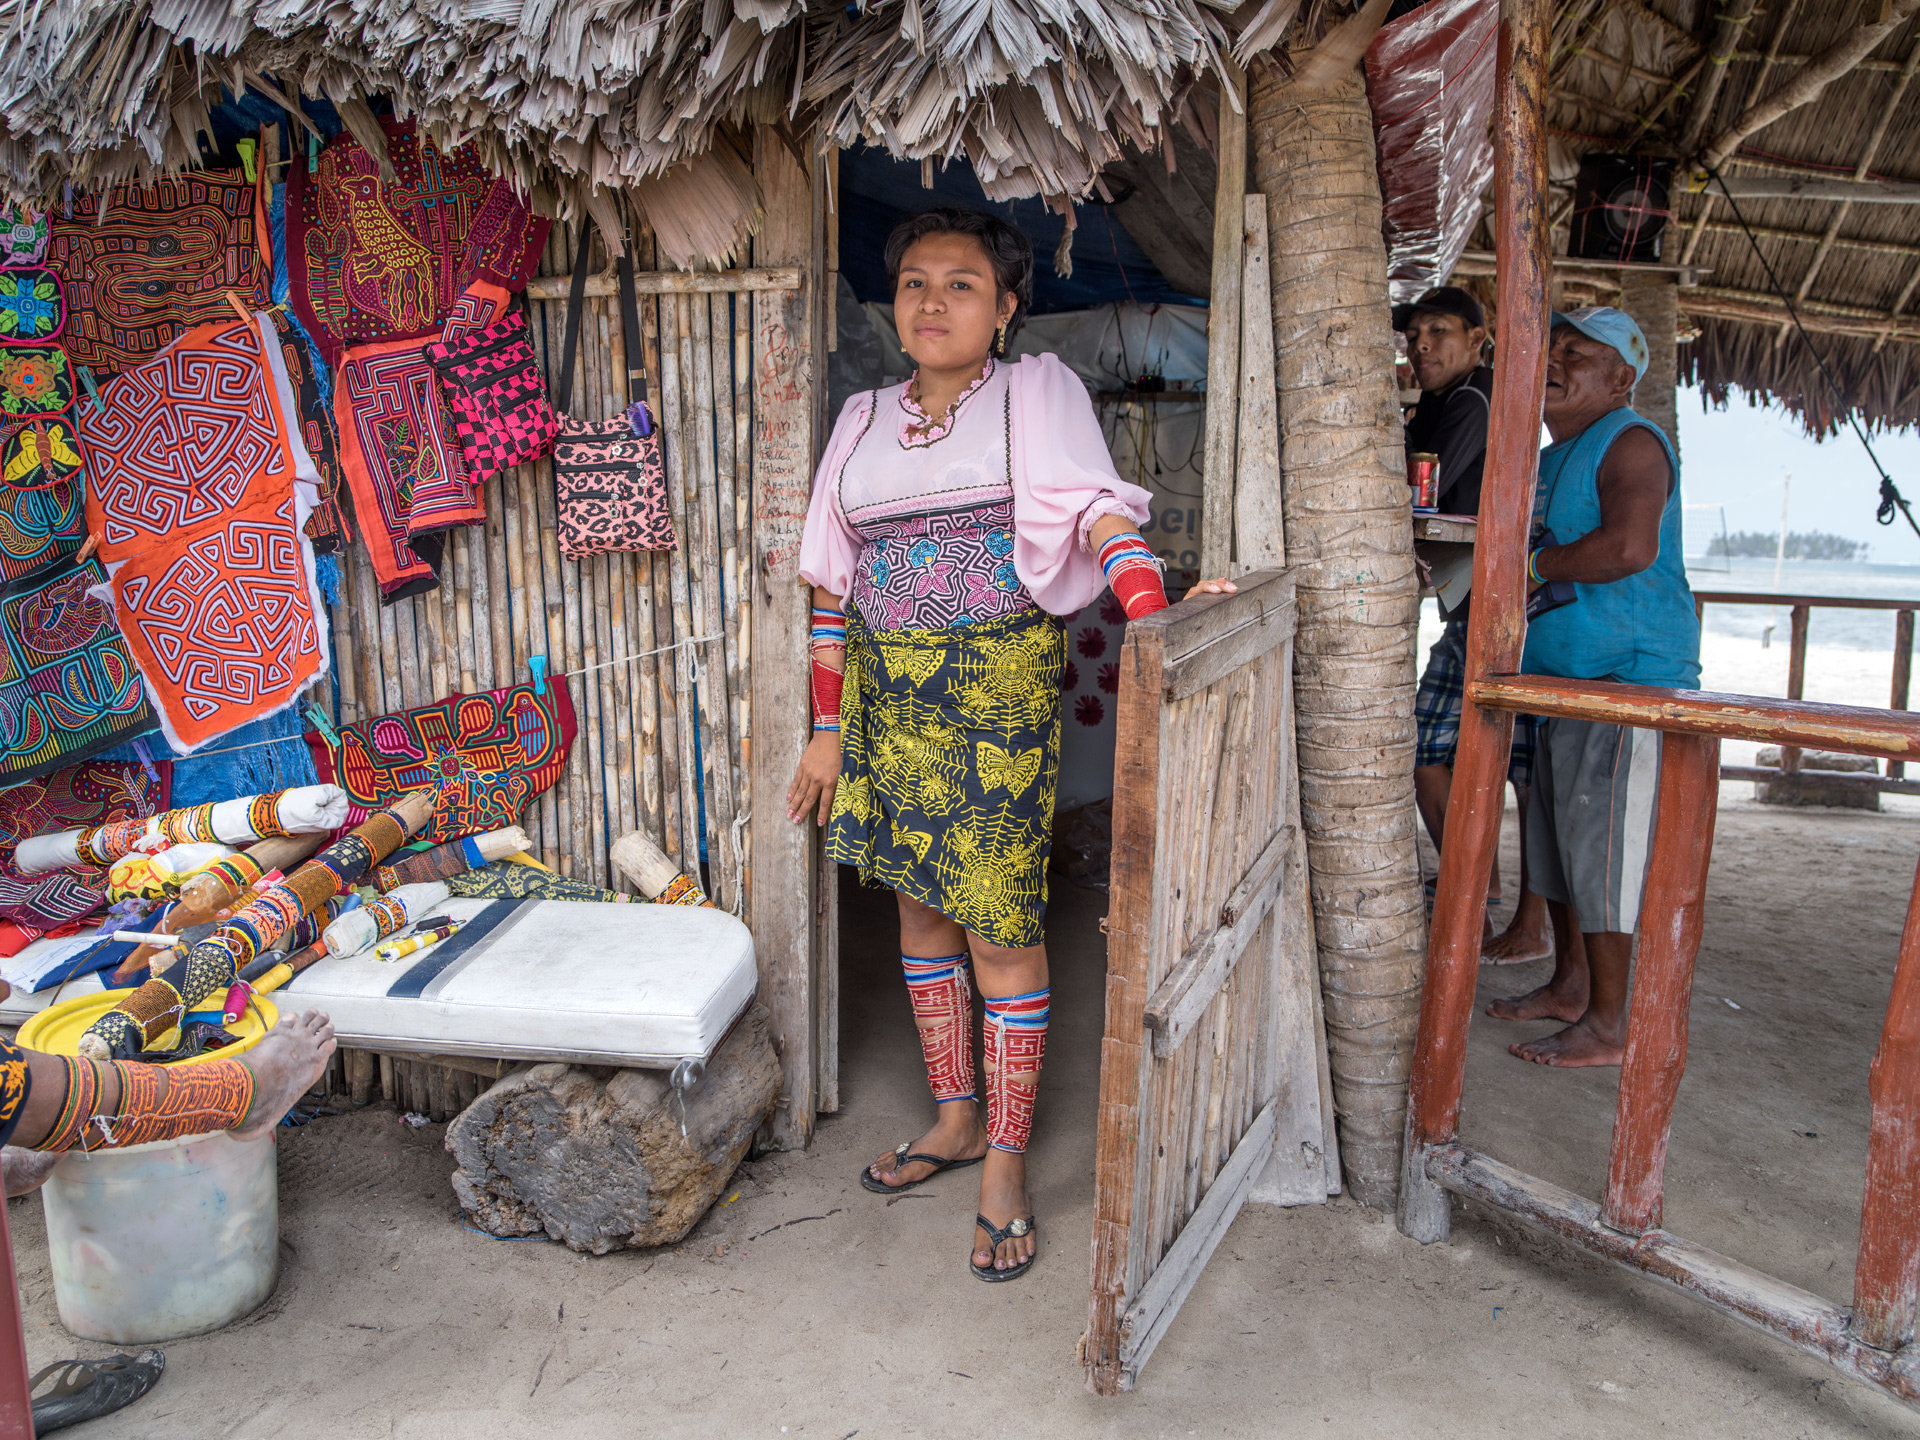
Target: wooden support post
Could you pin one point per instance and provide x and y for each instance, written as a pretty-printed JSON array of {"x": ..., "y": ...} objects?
[
  {"x": 1902, "y": 675},
  {"x": 1672, "y": 912},
  {"x": 16, "y": 1407},
  {"x": 1223, "y": 329},
  {"x": 783, "y": 910},
  {"x": 1498, "y": 625},
  {"x": 1259, "y": 531},
  {"x": 1886, "y": 1273},
  {"x": 1796, "y": 680}
]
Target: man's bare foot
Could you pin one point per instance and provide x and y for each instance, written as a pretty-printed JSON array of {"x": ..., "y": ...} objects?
[
  {"x": 285, "y": 1066},
  {"x": 1003, "y": 1195},
  {"x": 26, "y": 1170},
  {"x": 956, "y": 1135},
  {"x": 1518, "y": 946},
  {"x": 1545, "y": 1003},
  {"x": 1580, "y": 1044}
]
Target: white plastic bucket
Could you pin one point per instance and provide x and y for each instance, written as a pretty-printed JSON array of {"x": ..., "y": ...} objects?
[{"x": 158, "y": 1241}]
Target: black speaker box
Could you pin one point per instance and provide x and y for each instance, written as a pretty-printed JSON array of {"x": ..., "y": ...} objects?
[{"x": 1620, "y": 207}]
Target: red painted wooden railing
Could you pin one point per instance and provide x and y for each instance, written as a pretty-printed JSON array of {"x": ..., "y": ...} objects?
[{"x": 1874, "y": 1339}]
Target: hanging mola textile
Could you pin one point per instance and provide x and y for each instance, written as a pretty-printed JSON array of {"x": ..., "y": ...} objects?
[
  {"x": 68, "y": 686},
  {"x": 484, "y": 755},
  {"x": 94, "y": 792},
  {"x": 213, "y": 964},
  {"x": 200, "y": 491},
  {"x": 146, "y": 262},
  {"x": 371, "y": 259}
]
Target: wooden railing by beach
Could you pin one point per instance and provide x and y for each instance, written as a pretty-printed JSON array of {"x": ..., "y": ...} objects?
[{"x": 1800, "y": 608}]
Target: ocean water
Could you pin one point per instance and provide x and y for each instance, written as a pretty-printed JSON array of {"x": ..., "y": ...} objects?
[{"x": 1849, "y": 652}]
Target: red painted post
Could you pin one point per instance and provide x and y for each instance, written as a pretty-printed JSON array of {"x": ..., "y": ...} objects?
[
  {"x": 1886, "y": 1274},
  {"x": 1671, "y": 913},
  {"x": 16, "y": 1406},
  {"x": 1497, "y": 630},
  {"x": 1796, "y": 680}
]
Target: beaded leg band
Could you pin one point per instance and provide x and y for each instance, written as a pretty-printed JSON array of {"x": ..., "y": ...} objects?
[
  {"x": 1016, "y": 1042},
  {"x": 156, "y": 1102},
  {"x": 942, "y": 1009}
]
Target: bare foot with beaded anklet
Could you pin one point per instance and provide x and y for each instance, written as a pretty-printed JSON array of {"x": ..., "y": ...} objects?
[{"x": 285, "y": 1066}]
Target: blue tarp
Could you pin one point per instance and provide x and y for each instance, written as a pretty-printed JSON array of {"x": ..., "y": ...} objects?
[{"x": 877, "y": 192}]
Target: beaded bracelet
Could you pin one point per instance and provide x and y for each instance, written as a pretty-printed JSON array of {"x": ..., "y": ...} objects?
[{"x": 1533, "y": 567}]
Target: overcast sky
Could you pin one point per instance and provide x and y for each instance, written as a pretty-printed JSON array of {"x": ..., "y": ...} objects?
[{"x": 1735, "y": 457}]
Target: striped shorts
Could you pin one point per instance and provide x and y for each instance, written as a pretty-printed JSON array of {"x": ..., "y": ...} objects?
[
  {"x": 1436, "y": 709},
  {"x": 1590, "y": 818}
]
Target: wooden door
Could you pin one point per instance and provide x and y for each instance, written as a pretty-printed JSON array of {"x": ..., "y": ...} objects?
[{"x": 1213, "y": 1085}]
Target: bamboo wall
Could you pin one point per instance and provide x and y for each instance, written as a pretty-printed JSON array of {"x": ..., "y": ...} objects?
[{"x": 647, "y": 725}]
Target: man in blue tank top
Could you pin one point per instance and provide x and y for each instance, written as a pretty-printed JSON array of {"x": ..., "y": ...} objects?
[{"x": 1607, "y": 519}]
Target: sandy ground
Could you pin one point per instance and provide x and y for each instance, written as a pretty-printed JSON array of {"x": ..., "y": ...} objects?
[{"x": 805, "y": 1306}]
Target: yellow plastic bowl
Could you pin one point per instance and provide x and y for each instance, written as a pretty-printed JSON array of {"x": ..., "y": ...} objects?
[{"x": 57, "y": 1029}]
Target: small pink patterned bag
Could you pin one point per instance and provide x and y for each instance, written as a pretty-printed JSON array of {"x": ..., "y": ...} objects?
[{"x": 609, "y": 475}]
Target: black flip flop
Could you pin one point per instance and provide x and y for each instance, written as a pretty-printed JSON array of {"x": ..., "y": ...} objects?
[
  {"x": 88, "y": 1389},
  {"x": 1013, "y": 1230},
  {"x": 902, "y": 1155}
]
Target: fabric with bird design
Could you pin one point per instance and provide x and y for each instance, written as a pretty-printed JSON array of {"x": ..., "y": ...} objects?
[
  {"x": 949, "y": 763},
  {"x": 373, "y": 258}
]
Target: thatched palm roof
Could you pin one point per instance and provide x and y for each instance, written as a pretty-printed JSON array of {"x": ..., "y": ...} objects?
[
  {"x": 577, "y": 99},
  {"x": 1695, "y": 77}
]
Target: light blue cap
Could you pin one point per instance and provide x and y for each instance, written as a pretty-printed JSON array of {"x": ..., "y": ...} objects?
[{"x": 1611, "y": 327}]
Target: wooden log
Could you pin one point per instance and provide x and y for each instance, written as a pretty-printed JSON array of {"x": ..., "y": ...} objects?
[
  {"x": 1495, "y": 632},
  {"x": 703, "y": 499},
  {"x": 604, "y": 1165},
  {"x": 1854, "y": 730},
  {"x": 742, "y": 693},
  {"x": 1886, "y": 1273},
  {"x": 362, "y": 1070},
  {"x": 1672, "y": 912}
]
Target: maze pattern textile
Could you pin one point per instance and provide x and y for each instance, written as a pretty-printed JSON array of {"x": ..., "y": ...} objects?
[
  {"x": 68, "y": 687},
  {"x": 372, "y": 260},
  {"x": 492, "y": 752},
  {"x": 191, "y": 483},
  {"x": 454, "y": 497},
  {"x": 162, "y": 262},
  {"x": 393, "y": 443},
  {"x": 39, "y": 527},
  {"x": 94, "y": 792}
]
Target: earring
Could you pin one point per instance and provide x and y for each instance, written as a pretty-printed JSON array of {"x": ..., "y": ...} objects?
[{"x": 1000, "y": 340}]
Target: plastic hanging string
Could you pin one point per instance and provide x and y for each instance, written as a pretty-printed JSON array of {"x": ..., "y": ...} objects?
[{"x": 1892, "y": 502}]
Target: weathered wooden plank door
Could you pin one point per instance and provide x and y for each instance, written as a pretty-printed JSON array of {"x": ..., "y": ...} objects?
[{"x": 1212, "y": 1069}]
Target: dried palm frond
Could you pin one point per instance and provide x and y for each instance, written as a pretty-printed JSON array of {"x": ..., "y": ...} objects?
[{"x": 574, "y": 99}]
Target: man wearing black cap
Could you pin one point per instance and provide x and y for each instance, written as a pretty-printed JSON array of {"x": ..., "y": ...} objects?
[{"x": 1446, "y": 334}]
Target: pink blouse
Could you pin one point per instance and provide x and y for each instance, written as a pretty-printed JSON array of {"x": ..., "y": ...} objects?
[{"x": 1063, "y": 480}]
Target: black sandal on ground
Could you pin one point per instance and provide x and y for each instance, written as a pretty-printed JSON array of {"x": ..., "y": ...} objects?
[
  {"x": 903, "y": 1155},
  {"x": 1020, "y": 1225},
  {"x": 88, "y": 1389}
]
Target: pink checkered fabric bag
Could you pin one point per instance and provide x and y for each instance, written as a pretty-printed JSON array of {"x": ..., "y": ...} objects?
[{"x": 492, "y": 384}]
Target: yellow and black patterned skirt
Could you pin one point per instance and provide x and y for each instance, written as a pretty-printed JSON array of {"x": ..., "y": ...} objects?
[
  {"x": 15, "y": 1085},
  {"x": 949, "y": 760}
]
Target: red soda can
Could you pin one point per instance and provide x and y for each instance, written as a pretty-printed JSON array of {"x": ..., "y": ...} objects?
[{"x": 1423, "y": 474}]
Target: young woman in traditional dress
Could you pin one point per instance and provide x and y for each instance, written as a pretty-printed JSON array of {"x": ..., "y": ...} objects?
[{"x": 962, "y": 514}]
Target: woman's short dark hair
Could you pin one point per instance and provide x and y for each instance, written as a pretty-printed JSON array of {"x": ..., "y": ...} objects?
[{"x": 1009, "y": 251}]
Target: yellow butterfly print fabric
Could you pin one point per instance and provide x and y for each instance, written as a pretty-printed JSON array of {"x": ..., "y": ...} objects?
[{"x": 949, "y": 764}]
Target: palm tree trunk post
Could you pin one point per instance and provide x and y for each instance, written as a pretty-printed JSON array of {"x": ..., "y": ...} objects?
[{"x": 1345, "y": 504}]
